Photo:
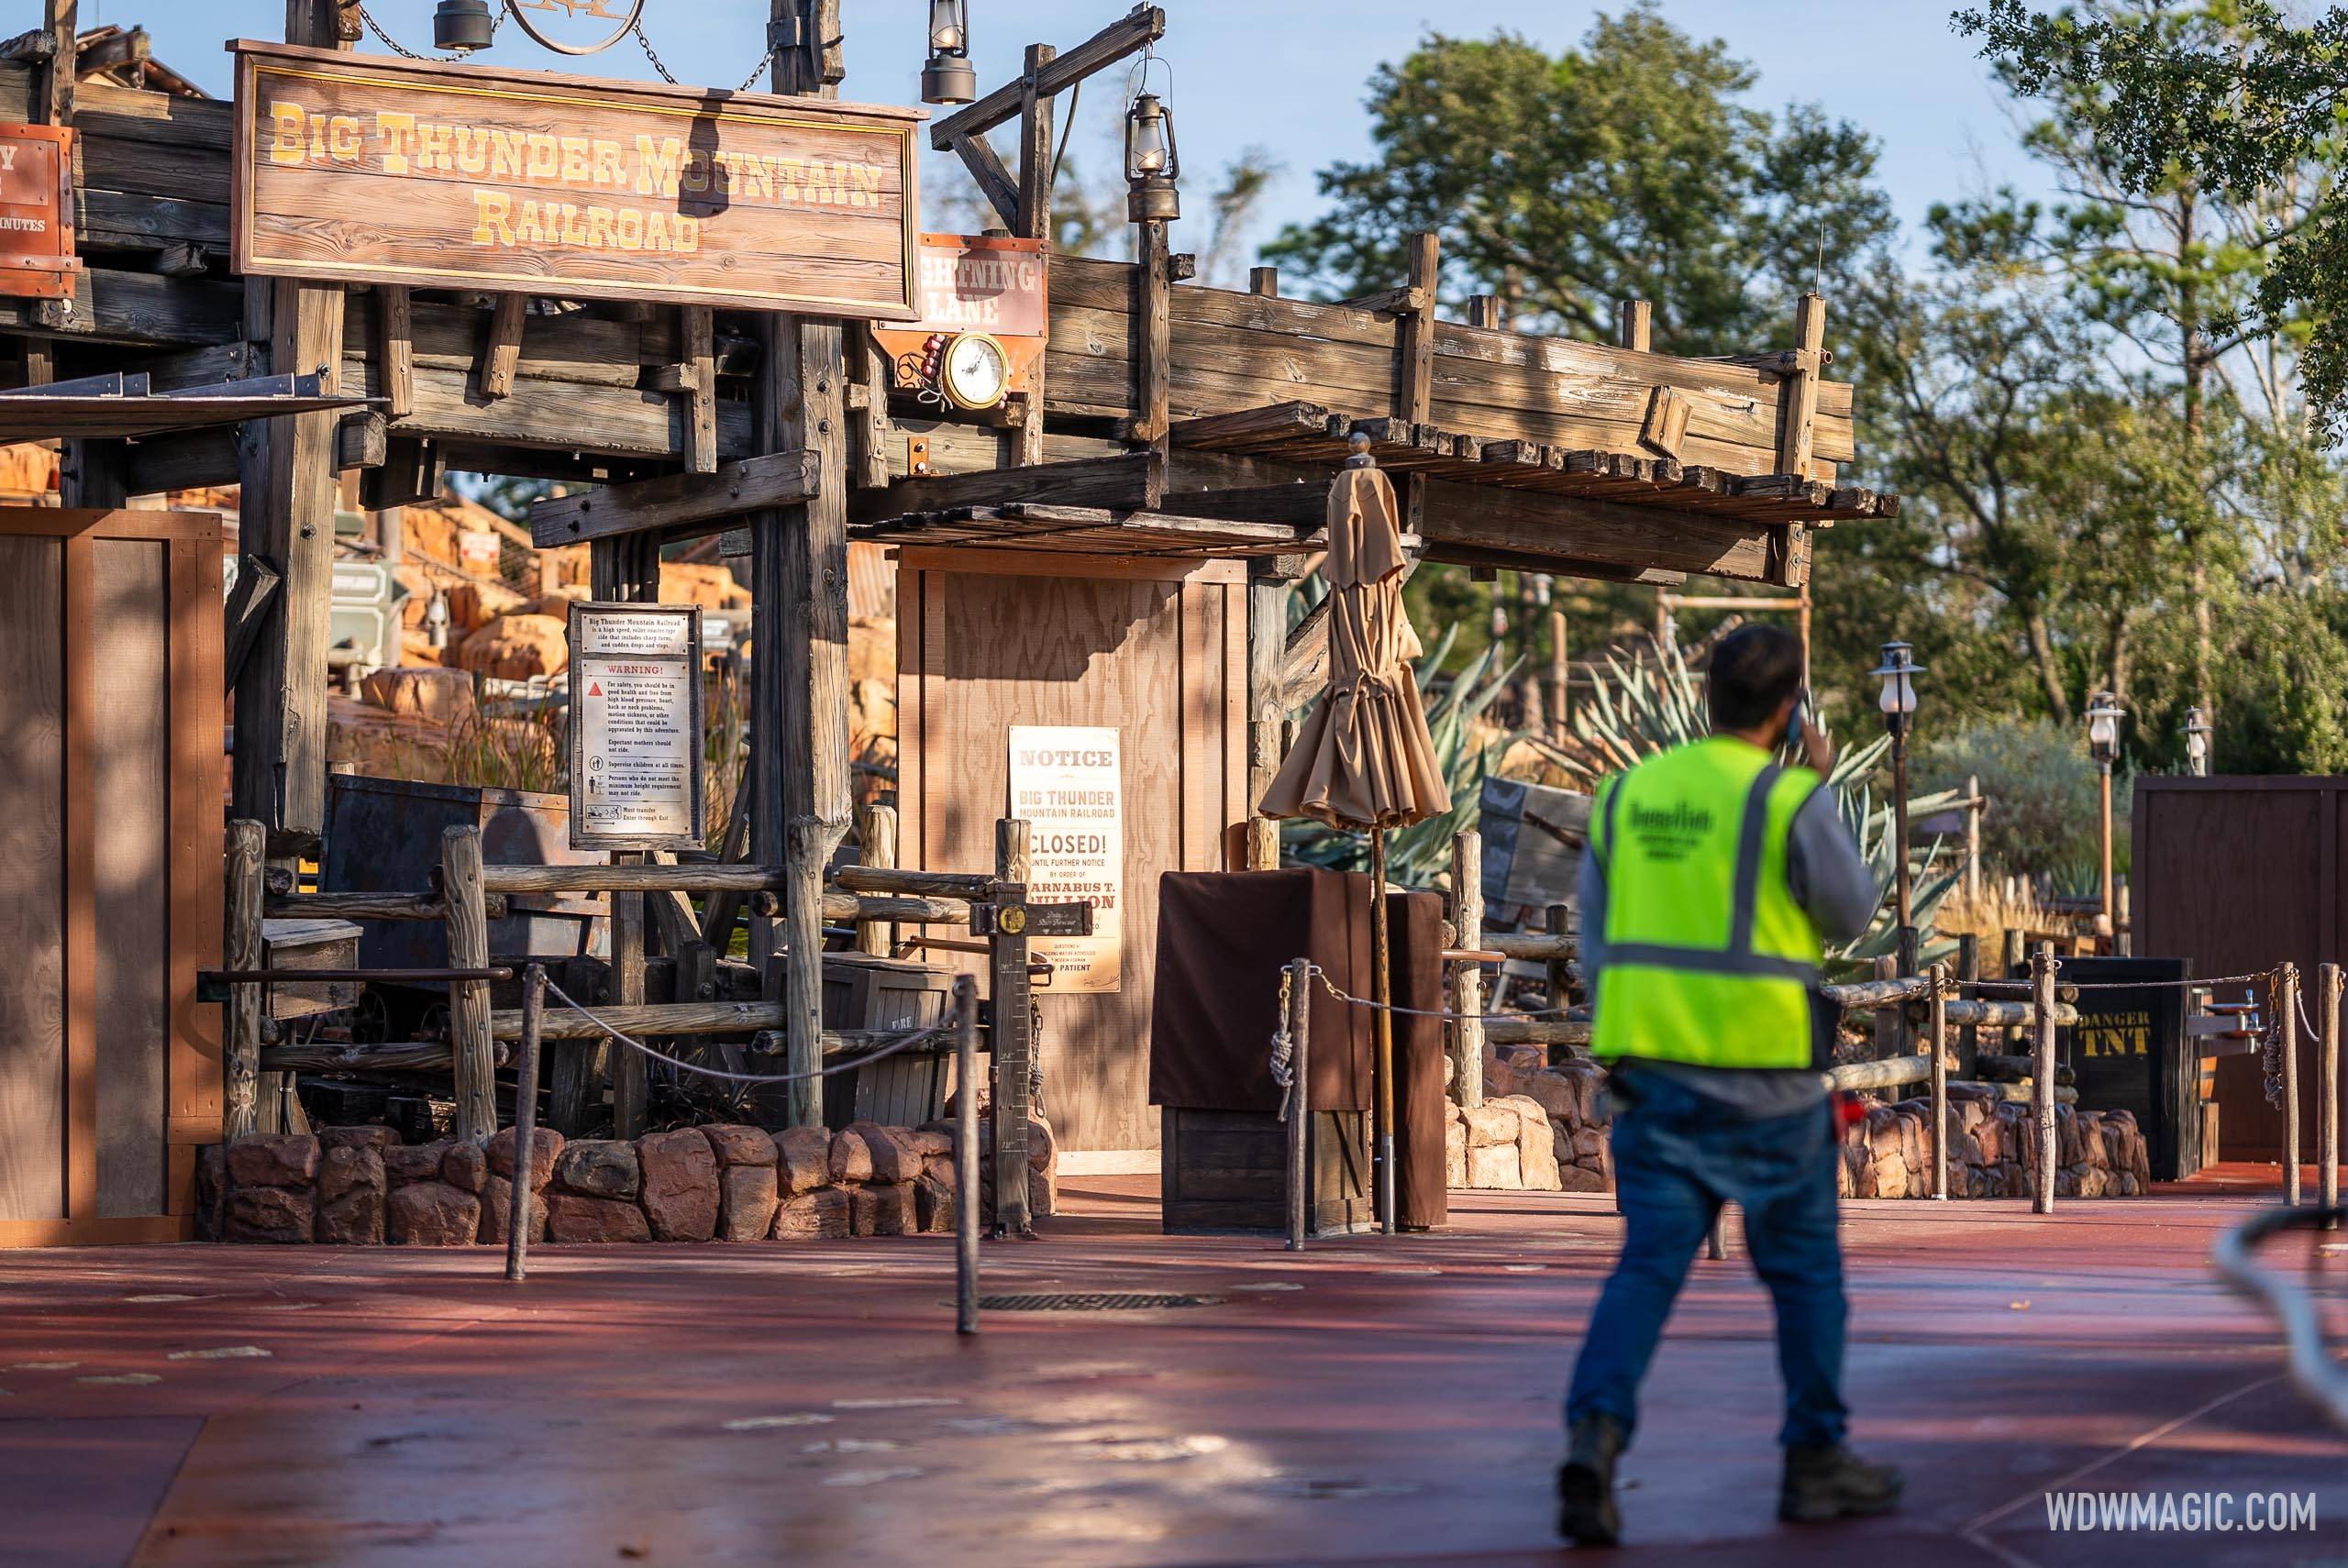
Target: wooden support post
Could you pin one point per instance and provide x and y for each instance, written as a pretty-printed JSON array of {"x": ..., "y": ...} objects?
[
  {"x": 468, "y": 1035},
  {"x": 2286, "y": 986},
  {"x": 1414, "y": 362},
  {"x": 501, "y": 354},
  {"x": 1634, "y": 325},
  {"x": 1971, "y": 838},
  {"x": 876, "y": 832},
  {"x": 1271, "y": 581},
  {"x": 869, "y": 380},
  {"x": 1014, "y": 1030},
  {"x": 1484, "y": 311},
  {"x": 2327, "y": 1089},
  {"x": 2041, "y": 1002},
  {"x": 1153, "y": 313},
  {"x": 1468, "y": 975},
  {"x": 248, "y": 855},
  {"x": 395, "y": 349},
  {"x": 52, "y": 98},
  {"x": 1034, "y": 223},
  {"x": 574, "y": 1084},
  {"x": 627, "y": 569},
  {"x": 1888, "y": 1024},
  {"x": 700, "y": 349},
  {"x": 1299, "y": 1107},
  {"x": 2012, "y": 958},
  {"x": 1936, "y": 1041},
  {"x": 1797, "y": 396},
  {"x": 1968, "y": 970},
  {"x": 1263, "y": 281},
  {"x": 525, "y": 1122},
  {"x": 1560, "y": 925},
  {"x": 1560, "y": 677}
]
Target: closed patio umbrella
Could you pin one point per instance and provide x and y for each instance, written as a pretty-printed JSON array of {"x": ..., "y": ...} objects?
[{"x": 1363, "y": 758}]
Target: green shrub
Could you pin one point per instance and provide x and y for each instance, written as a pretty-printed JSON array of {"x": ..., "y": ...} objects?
[{"x": 2040, "y": 785}]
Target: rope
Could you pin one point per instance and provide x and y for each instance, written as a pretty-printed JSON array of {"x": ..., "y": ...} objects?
[
  {"x": 1284, "y": 1047},
  {"x": 1331, "y": 987},
  {"x": 2024, "y": 986},
  {"x": 900, "y": 1042}
]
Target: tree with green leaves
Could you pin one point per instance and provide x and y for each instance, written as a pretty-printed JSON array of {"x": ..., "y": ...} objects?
[{"x": 1631, "y": 167}]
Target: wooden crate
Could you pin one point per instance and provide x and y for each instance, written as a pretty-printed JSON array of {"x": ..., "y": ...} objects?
[
  {"x": 110, "y": 826},
  {"x": 865, "y": 993},
  {"x": 1223, "y": 1171},
  {"x": 310, "y": 945}
]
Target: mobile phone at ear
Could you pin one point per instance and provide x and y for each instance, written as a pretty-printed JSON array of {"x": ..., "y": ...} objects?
[{"x": 1794, "y": 722}]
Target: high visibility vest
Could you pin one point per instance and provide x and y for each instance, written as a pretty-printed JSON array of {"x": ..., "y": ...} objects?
[{"x": 1708, "y": 958}]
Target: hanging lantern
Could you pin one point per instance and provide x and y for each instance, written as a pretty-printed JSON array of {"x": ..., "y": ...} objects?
[
  {"x": 1153, "y": 162},
  {"x": 460, "y": 27},
  {"x": 2196, "y": 742},
  {"x": 1898, "y": 672},
  {"x": 948, "y": 77},
  {"x": 2103, "y": 727}
]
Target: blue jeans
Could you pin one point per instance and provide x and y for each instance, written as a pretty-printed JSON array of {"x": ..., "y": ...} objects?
[{"x": 1677, "y": 1156}]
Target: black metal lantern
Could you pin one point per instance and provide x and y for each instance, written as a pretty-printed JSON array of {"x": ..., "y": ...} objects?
[
  {"x": 2104, "y": 714},
  {"x": 948, "y": 77},
  {"x": 1153, "y": 162},
  {"x": 460, "y": 27}
]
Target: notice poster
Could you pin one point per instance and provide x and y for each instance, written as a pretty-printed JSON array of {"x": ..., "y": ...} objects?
[
  {"x": 635, "y": 726},
  {"x": 1067, "y": 785}
]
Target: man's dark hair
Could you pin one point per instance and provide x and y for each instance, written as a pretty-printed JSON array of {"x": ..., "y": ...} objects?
[{"x": 1753, "y": 668}]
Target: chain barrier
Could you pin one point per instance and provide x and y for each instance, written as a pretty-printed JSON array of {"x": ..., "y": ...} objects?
[
  {"x": 1446, "y": 1014},
  {"x": 900, "y": 1042},
  {"x": 1284, "y": 1046}
]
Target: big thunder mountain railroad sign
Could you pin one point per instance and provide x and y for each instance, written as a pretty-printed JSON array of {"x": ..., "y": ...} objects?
[{"x": 369, "y": 170}]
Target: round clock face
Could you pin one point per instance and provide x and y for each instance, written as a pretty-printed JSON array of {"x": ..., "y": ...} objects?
[{"x": 977, "y": 372}]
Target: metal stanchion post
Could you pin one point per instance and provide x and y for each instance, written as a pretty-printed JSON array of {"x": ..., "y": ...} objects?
[
  {"x": 525, "y": 1121},
  {"x": 966, "y": 1155},
  {"x": 2327, "y": 1109},
  {"x": 1936, "y": 1041},
  {"x": 1300, "y": 1101},
  {"x": 2042, "y": 1017},
  {"x": 2286, "y": 985}
]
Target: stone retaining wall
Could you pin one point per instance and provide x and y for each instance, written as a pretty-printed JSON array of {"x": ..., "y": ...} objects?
[
  {"x": 1545, "y": 1129},
  {"x": 360, "y": 1187}
]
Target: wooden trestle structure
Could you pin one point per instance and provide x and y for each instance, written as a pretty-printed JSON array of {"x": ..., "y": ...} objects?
[{"x": 1170, "y": 422}]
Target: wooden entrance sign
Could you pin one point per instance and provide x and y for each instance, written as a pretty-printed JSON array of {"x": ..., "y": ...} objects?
[
  {"x": 388, "y": 171},
  {"x": 37, "y": 259}
]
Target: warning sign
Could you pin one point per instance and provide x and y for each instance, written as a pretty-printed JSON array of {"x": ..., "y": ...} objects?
[
  {"x": 1068, "y": 785},
  {"x": 636, "y": 727}
]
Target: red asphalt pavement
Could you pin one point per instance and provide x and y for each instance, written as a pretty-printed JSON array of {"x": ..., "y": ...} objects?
[{"x": 1369, "y": 1401}]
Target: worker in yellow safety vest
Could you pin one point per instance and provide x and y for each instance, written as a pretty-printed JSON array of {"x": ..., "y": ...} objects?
[{"x": 1712, "y": 877}]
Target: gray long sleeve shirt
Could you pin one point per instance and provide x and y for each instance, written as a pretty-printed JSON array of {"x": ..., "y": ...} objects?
[{"x": 1831, "y": 881}]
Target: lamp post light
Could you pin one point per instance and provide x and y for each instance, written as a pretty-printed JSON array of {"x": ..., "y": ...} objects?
[
  {"x": 1153, "y": 161},
  {"x": 948, "y": 78},
  {"x": 1898, "y": 672},
  {"x": 2104, "y": 714},
  {"x": 2196, "y": 742}
]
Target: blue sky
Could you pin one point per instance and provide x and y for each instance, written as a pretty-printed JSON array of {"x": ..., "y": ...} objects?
[{"x": 1286, "y": 76}]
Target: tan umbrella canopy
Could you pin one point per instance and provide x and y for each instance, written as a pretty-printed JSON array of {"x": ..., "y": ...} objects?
[{"x": 1364, "y": 759}]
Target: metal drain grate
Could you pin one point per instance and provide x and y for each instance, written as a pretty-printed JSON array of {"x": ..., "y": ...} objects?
[{"x": 1094, "y": 1301}]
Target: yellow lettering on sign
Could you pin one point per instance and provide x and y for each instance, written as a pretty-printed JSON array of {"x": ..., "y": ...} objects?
[
  {"x": 869, "y": 178},
  {"x": 432, "y": 143},
  {"x": 544, "y": 156},
  {"x": 397, "y": 133},
  {"x": 531, "y": 230},
  {"x": 656, "y": 160},
  {"x": 611, "y": 165},
  {"x": 489, "y": 210},
  {"x": 688, "y": 234},
  {"x": 506, "y": 150},
  {"x": 574, "y": 161},
  {"x": 696, "y": 173},
  {"x": 629, "y": 228},
  {"x": 343, "y": 139},
  {"x": 472, "y": 150},
  {"x": 789, "y": 174},
  {"x": 819, "y": 184},
  {"x": 287, "y": 141}
]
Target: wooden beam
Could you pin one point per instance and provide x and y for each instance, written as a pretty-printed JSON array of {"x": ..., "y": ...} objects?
[
  {"x": 1484, "y": 311},
  {"x": 1131, "y": 481},
  {"x": 1130, "y": 34},
  {"x": 1304, "y": 506},
  {"x": 1575, "y": 531},
  {"x": 869, "y": 374},
  {"x": 1415, "y": 363},
  {"x": 698, "y": 326},
  {"x": 1033, "y": 221},
  {"x": 501, "y": 353},
  {"x": 1634, "y": 325},
  {"x": 1409, "y": 300},
  {"x": 1153, "y": 336},
  {"x": 1797, "y": 402},
  {"x": 395, "y": 349},
  {"x": 994, "y": 181},
  {"x": 676, "y": 506},
  {"x": 249, "y": 605}
]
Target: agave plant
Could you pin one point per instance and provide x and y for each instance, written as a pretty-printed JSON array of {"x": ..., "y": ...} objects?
[
  {"x": 1420, "y": 855},
  {"x": 1639, "y": 707}
]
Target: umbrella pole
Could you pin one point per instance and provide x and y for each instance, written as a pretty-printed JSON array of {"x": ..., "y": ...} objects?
[{"x": 1381, "y": 979}]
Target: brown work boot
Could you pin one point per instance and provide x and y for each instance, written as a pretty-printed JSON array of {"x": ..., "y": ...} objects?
[
  {"x": 1586, "y": 1512},
  {"x": 1834, "y": 1483}
]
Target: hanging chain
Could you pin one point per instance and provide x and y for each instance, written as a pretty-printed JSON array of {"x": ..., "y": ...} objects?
[
  {"x": 643, "y": 41},
  {"x": 1283, "y": 1047}
]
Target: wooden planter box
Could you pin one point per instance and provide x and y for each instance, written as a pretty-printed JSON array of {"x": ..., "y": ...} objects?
[{"x": 1224, "y": 1171}]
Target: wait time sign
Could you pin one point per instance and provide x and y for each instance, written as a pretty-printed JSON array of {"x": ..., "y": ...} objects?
[{"x": 373, "y": 169}]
